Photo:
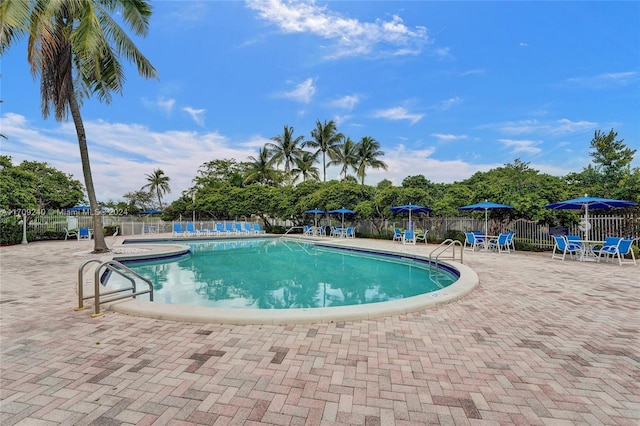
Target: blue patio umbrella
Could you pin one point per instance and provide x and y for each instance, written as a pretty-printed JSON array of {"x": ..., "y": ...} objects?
[
  {"x": 342, "y": 211},
  {"x": 315, "y": 213},
  {"x": 585, "y": 203},
  {"x": 486, "y": 206},
  {"x": 410, "y": 208}
]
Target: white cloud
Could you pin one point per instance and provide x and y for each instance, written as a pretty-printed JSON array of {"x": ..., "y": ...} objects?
[
  {"x": 351, "y": 37},
  {"x": 160, "y": 104},
  {"x": 564, "y": 125},
  {"x": 165, "y": 104},
  {"x": 121, "y": 154},
  {"x": 558, "y": 127},
  {"x": 346, "y": 102},
  {"x": 521, "y": 146},
  {"x": 403, "y": 161},
  {"x": 446, "y": 138},
  {"x": 398, "y": 113},
  {"x": 448, "y": 103},
  {"x": 196, "y": 114},
  {"x": 341, "y": 119},
  {"x": 303, "y": 92},
  {"x": 605, "y": 80},
  {"x": 477, "y": 71}
]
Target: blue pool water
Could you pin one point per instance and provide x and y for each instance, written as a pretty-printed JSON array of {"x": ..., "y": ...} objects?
[{"x": 281, "y": 274}]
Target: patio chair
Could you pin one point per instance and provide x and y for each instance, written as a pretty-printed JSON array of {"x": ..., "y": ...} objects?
[
  {"x": 307, "y": 230},
  {"x": 247, "y": 228},
  {"x": 229, "y": 228},
  {"x": 190, "y": 229},
  {"x": 213, "y": 232},
  {"x": 257, "y": 229},
  {"x": 239, "y": 229},
  {"x": 70, "y": 233},
  {"x": 564, "y": 246},
  {"x": 177, "y": 230},
  {"x": 409, "y": 237},
  {"x": 609, "y": 242},
  {"x": 500, "y": 243},
  {"x": 350, "y": 232},
  {"x": 510, "y": 243},
  {"x": 472, "y": 241},
  {"x": 621, "y": 249},
  {"x": 84, "y": 233},
  {"x": 220, "y": 229},
  {"x": 397, "y": 234},
  {"x": 322, "y": 231},
  {"x": 422, "y": 236},
  {"x": 575, "y": 239}
]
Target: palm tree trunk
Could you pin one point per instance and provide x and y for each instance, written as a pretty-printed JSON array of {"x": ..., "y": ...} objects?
[
  {"x": 324, "y": 167},
  {"x": 99, "y": 244}
]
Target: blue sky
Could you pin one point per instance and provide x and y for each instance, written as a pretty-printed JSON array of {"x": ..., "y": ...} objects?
[{"x": 447, "y": 88}]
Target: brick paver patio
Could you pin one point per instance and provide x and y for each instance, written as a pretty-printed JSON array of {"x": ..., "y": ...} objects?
[{"x": 538, "y": 342}]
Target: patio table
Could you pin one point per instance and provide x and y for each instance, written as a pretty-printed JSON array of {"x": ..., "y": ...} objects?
[
  {"x": 586, "y": 250},
  {"x": 486, "y": 240}
]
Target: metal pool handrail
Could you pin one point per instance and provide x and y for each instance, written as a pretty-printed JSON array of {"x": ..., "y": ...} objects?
[
  {"x": 442, "y": 247},
  {"x": 119, "y": 268}
]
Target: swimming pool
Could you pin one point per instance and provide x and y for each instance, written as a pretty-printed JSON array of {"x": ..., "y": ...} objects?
[
  {"x": 466, "y": 282},
  {"x": 282, "y": 274}
]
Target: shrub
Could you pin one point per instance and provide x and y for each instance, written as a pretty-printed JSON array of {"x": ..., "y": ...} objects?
[
  {"x": 109, "y": 230},
  {"x": 454, "y": 234},
  {"x": 11, "y": 231}
]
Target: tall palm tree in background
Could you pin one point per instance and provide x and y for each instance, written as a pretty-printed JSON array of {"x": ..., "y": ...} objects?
[
  {"x": 346, "y": 156},
  {"x": 368, "y": 151},
  {"x": 74, "y": 46},
  {"x": 304, "y": 167},
  {"x": 286, "y": 148},
  {"x": 158, "y": 183},
  {"x": 325, "y": 138},
  {"x": 261, "y": 169}
]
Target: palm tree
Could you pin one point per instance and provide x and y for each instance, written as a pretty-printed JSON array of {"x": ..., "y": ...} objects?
[
  {"x": 74, "y": 46},
  {"x": 159, "y": 183},
  {"x": 304, "y": 166},
  {"x": 286, "y": 147},
  {"x": 345, "y": 155},
  {"x": 368, "y": 151},
  {"x": 325, "y": 138},
  {"x": 261, "y": 169}
]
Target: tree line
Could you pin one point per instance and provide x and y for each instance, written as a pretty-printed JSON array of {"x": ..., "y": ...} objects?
[
  {"x": 222, "y": 190},
  {"x": 225, "y": 189}
]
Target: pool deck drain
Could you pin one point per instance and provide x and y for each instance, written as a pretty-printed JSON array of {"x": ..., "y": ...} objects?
[{"x": 537, "y": 342}]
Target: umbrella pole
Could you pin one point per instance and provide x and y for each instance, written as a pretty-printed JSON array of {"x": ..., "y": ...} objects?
[
  {"x": 586, "y": 222},
  {"x": 486, "y": 222}
]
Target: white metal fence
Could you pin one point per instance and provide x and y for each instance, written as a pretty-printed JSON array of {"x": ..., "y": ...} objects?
[{"x": 530, "y": 232}]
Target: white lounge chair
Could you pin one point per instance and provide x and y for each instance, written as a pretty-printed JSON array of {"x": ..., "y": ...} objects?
[{"x": 69, "y": 233}]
